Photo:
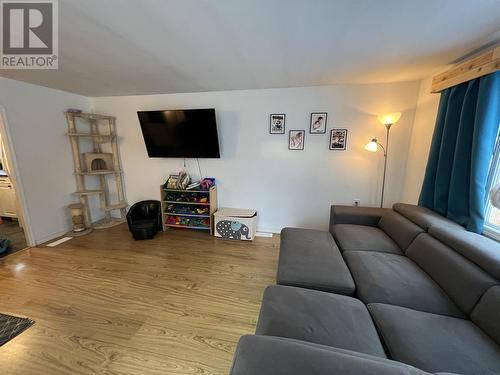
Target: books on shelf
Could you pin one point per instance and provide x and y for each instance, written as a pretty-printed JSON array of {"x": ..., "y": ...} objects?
[{"x": 193, "y": 185}]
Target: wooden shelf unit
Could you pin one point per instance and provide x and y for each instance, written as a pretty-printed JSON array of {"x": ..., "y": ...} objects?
[
  {"x": 189, "y": 203},
  {"x": 97, "y": 139},
  {"x": 211, "y": 205}
]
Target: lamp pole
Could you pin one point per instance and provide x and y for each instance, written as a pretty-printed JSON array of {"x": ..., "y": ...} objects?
[
  {"x": 387, "y": 120},
  {"x": 386, "y": 149}
]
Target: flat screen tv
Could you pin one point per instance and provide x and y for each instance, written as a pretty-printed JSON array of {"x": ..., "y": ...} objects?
[{"x": 187, "y": 133}]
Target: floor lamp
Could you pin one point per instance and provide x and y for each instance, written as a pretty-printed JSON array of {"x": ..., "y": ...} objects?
[{"x": 387, "y": 120}]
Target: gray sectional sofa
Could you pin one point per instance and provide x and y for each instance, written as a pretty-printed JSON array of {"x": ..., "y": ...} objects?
[{"x": 385, "y": 291}]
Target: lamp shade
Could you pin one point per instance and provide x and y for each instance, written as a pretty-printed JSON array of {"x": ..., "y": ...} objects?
[
  {"x": 372, "y": 146},
  {"x": 389, "y": 118}
]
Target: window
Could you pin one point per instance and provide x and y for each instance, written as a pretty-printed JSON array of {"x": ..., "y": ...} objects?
[{"x": 492, "y": 218}]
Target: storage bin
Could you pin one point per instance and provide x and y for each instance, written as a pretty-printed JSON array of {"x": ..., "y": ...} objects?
[{"x": 235, "y": 223}]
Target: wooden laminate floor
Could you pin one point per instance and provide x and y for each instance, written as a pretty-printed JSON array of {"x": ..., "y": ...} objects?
[
  {"x": 106, "y": 304},
  {"x": 10, "y": 229}
]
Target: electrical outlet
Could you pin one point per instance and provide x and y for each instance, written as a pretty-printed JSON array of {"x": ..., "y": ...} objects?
[{"x": 356, "y": 202}]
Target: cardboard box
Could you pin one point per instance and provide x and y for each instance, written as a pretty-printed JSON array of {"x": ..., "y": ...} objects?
[{"x": 235, "y": 223}]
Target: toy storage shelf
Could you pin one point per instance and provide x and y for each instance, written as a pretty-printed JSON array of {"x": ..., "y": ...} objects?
[
  {"x": 187, "y": 227},
  {"x": 187, "y": 191},
  {"x": 183, "y": 209},
  {"x": 190, "y": 203},
  {"x": 187, "y": 215}
]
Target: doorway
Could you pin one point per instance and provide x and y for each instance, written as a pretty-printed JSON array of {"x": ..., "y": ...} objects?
[{"x": 13, "y": 233}]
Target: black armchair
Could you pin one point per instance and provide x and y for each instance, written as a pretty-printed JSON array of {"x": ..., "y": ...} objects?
[{"x": 144, "y": 219}]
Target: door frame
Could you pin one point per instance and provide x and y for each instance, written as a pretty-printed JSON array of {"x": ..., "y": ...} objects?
[{"x": 16, "y": 178}]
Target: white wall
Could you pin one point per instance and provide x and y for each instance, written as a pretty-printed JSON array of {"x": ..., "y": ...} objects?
[
  {"x": 423, "y": 129},
  {"x": 38, "y": 131},
  {"x": 256, "y": 170}
]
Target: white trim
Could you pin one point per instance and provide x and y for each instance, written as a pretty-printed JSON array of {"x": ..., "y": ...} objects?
[
  {"x": 51, "y": 237},
  {"x": 491, "y": 232},
  {"x": 269, "y": 230},
  {"x": 59, "y": 241},
  {"x": 15, "y": 177}
]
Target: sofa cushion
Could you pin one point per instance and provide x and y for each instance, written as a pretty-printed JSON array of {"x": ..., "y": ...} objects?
[
  {"x": 479, "y": 249},
  {"x": 487, "y": 313},
  {"x": 435, "y": 343},
  {"x": 264, "y": 355},
  {"x": 318, "y": 317},
  {"x": 311, "y": 259},
  {"x": 399, "y": 228},
  {"x": 363, "y": 237},
  {"x": 461, "y": 279},
  {"x": 424, "y": 217},
  {"x": 396, "y": 280}
]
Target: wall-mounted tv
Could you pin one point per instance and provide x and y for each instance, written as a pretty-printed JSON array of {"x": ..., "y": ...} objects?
[{"x": 186, "y": 133}]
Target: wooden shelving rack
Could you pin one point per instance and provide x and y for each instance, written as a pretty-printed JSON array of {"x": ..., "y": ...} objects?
[
  {"x": 96, "y": 123},
  {"x": 210, "y": 205}
]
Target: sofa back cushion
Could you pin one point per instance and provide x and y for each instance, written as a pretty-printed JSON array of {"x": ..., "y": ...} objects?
[
  {"x": 400, "y": 229},
  {"x": 479, "y": 249},
  {"x": 486, "y": 314},
  {"x": 462, "y": 280},
  {"x": 424, "y": 217}
]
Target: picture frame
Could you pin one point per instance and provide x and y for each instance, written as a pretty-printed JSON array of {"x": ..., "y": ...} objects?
[
  {"x": 277, "y": 123},
  {"x": 296, "y": 139},
  {"x": 338, "y": 139},
  {"x": 317, "y": 123}
]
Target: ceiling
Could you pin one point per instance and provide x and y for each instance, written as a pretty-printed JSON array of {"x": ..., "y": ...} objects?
[{"x": 117, "y": 47}]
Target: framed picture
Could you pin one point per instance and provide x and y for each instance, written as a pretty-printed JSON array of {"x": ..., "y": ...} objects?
[
  {"x": 338, "y": 139},
  {"x": 296, "y": 139},
  {"x": 277, "y": 123},
  {"x": 318, "y": 123}
]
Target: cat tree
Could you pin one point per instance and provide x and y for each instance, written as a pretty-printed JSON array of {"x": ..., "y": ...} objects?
[{"x": 103, "y": 165}]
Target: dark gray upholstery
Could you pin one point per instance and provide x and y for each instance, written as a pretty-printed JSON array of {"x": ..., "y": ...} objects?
[
  {"x": 432, "y": 288},
  {"x": 355, "y": 215},
  {"x": 399, "y": 228},
  {"x": 262, "y": 355},
  {"x": 435, "y": 343},
  {"x": 479, "y": 249},
  {"x": 487, "y": 313},
  {"x": 396, "y": 280},
  {"x": 318, "y": 317},
  {"x": 363, "y": 237},
  {"x": 311, "y": 259},
  {"x": 424, "y": 217},
  {"x": 461, "y": 279}
]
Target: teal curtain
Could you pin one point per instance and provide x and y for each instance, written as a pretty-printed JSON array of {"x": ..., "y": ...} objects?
[{"x": 455, "y": 182}]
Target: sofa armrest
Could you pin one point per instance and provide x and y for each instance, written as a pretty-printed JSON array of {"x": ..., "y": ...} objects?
[
  {"x": 268, "y": 355},
  {"x": 356, "y": 215}
]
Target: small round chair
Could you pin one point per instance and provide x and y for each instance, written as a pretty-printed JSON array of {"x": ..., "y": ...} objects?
[{"x": 144, "y": 219}]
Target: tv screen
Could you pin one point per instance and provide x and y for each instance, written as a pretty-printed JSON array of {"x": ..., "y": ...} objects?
[{"x": 189, "y": 133}]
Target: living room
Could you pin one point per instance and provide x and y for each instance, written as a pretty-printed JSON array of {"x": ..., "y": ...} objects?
[{"x": 346, "y": 153}]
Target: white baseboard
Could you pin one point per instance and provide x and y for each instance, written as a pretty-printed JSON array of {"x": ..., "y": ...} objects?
[
  {"x": 270, "y": 230},
  {"x": 50, "y": 237}
]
